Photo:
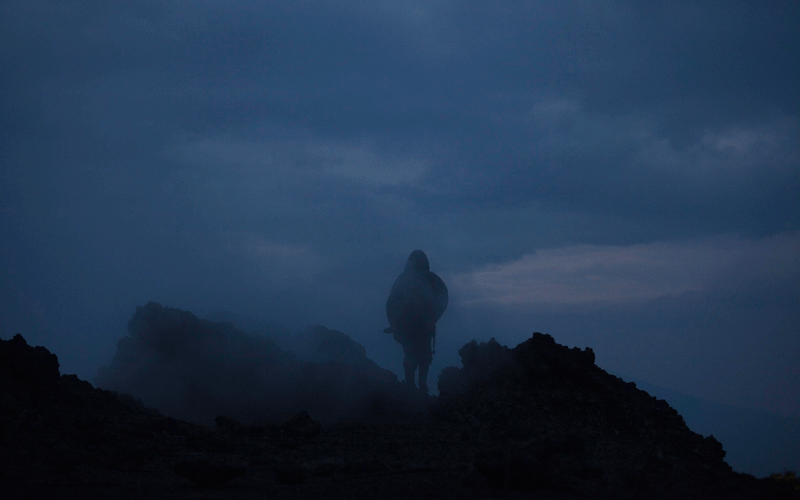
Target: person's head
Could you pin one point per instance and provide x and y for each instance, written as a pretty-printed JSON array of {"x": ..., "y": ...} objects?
[{"x": 418, "y": 261}]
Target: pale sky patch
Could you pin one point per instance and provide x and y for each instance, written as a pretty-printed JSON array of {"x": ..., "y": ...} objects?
[
  {"x": 590, "y": 274},
  {"x": 739, "y": 141},
  {"x": 735, "y": 149}
]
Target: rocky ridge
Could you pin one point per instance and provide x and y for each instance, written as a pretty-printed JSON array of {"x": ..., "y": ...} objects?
[
  {"x": 538, "y": 420},
  {"x": 194, "y": 369},
  {"x": 551, "y": 418}
]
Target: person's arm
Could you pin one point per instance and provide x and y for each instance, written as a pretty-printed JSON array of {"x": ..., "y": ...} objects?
[
  {"x": 395, "y": 302},
  {"x": 441, "y": 297}
]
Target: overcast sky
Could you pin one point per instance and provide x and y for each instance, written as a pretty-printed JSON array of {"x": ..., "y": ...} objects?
[{"x": 620, "y": 175}]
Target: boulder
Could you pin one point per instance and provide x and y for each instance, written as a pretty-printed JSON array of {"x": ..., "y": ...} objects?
[
  {"x": 23, "y": 365},
  {"x": 479, "y": 362},
  {"x": 196, "y": 370},
  {"x": 550, "y": 418}
]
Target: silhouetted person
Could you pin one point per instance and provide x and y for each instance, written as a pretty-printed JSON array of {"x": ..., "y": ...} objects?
[{"x": 417, "y": 301}]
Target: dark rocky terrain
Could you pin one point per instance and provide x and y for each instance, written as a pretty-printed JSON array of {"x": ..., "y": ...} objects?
[
  {"x": 537, "y": 421},
  {"x": 195, "y": 370}
]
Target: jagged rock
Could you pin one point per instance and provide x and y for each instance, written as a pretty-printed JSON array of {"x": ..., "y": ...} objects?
[
  {"x": 21, "y": 364},
  {"x": 196, "y": 370},
  {"x": 187, "y": 367},
  {"x": 552, "y": 416},
  {"x": 479, "y": 361},
  {"x": 562, "y": 430}
]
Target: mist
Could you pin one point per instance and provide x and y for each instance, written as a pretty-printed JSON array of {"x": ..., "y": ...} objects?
[{"x": 197, "y": 370}]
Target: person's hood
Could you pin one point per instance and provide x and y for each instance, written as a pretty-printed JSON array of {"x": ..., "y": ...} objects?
[{"x": 417, "y": 261}]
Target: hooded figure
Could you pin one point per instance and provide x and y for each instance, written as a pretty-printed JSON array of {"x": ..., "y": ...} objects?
[{"x": 417, "y": 301}]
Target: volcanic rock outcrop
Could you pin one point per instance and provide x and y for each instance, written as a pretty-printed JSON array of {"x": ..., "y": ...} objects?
[
  {"x": 479, "y": 362},
  {"x": 550, "y": 418},
  {"x": 20, "y": 364},
  {"x": 537, "y": 421},
  {"x": 196, "y": 370}
]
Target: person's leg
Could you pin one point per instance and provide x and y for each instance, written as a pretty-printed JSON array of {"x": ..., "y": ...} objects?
[
  {"x": 410, "y": 364},
  {"x": 425, "y": 358},
  {"x": 409, "y": 356},
  {"x": 423, "y": 377},
  {"x": 409, "y": 375}
]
